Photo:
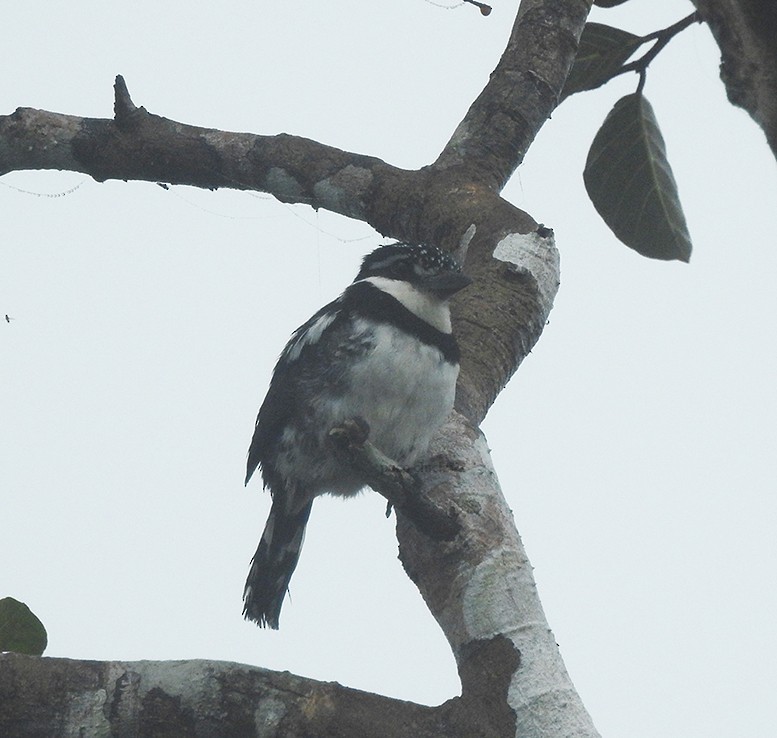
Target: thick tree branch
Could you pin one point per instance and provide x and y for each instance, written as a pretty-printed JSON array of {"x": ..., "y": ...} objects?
[
  {"x": 481, "y": 590},
  {"x": 746, "y": 32},
  {"x": 138, "y": 145},
  {"x": 396, "y": 484},
  {"x": 62, "y": 697},
  {"x": 477, "y": 584},
  {"x": 501, "y": 316},
  {"x": 523, "y": 91},
  {"x": 479, "y": 587}
]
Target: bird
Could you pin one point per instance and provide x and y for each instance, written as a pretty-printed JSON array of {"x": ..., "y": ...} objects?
[{"x": 382, "y": 353}]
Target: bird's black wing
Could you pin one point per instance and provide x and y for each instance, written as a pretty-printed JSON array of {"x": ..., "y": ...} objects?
[{"x": 292, "y": 378}]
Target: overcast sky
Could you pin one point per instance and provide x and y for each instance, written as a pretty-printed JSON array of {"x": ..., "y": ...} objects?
[{"x": 636, "y": 444}]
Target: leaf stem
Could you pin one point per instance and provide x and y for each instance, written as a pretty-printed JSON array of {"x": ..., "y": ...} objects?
[
  {"x": 661, "y": 38},
  {"x": 669, "y": 32},
  {"x": 484, "y": 9},
  {"x": 642, "y": 79}
]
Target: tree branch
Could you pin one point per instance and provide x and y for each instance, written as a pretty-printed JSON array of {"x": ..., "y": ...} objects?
[
  {"x": 745, "y": 31},
  {"x": 484, "y": 9},
  {"x": 137, "y": 145},
  {"x": 479, "y": 587},
  {"x": 477, "y": 584},
  {"x": 661, "y": 37},
  {"x": 123, "y": 107},
  {"x": 481, "y": 590},
  {"x": 59, "y": 697},
  {"x": 392, "y": 481},
  {"x": 495, "y": 134},
  {"x": 500, "y": 317}
]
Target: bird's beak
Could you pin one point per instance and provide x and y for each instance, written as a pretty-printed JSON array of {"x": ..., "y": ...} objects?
[{"x": 447, "y": 284}]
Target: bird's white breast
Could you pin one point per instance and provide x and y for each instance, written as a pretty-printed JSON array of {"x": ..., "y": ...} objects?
[
  {"x": 404, "y": 389},
  {"x": 401, "y": 385}
]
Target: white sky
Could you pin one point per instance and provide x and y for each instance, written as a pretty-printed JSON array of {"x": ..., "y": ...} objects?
[{"x": 636, "y": 445}]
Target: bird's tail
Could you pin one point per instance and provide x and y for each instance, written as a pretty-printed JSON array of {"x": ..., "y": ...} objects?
[{"x": 274, "y": 562}]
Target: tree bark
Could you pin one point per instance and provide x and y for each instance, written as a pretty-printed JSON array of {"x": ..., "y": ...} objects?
[
  {"x": 478, "y": 586},
  {"x": 746, "y": 32}
]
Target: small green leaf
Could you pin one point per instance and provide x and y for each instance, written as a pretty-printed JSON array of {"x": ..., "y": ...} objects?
[
  {"x": 630, "y": 182},
  {"x": 20, "y": 630},
  {"x": 601, "y": 53}
]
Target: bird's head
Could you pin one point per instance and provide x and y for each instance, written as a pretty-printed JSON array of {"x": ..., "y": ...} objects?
[{"x": 426, "y": 268}]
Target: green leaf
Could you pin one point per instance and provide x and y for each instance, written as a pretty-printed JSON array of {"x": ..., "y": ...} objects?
[
  {"x": 20, "y": 630},
  {"x": 630, "y": 182},
  {"x": 601, "y": 53}
]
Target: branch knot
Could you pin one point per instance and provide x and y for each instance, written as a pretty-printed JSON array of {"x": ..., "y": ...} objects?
[{"x": 126, "y": 114}]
